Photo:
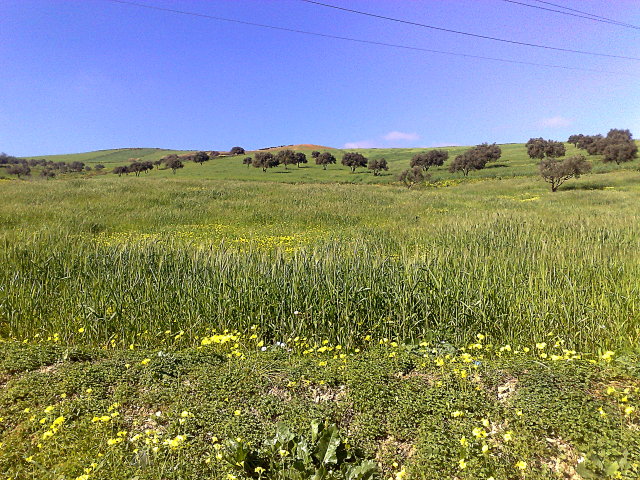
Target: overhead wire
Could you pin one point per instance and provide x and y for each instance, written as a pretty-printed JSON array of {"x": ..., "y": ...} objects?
[
  {"x": 366, "y": 42},
  {"x": 622, "y": 24},
  {"x": 468, "y": 34}
]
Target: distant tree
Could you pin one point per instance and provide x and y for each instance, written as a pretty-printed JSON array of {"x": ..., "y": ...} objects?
[
  {"x": 76, "y": 166},
  {"x": 591, "y": 143},
  {"x": 157, "y": 163},
  {"x": 556, "y": 172},
  {"x": 540, "y": 148},
  {"x": 354, "y": 160},
  {"x": 87, "y": 168},
  {"x": 620, "y": 152},
  {"x": 300, "y": 158},
  {"x": 325, "y": 159},
  {"x": 137, "y": 168},
  {"x": 489, "y": 152},
  {"x": 237, "y": 151},
  {"x": 19, "y": 169},
  {"x": 99, "y": 167},
  {"x": 428, "y": 159},
  {"x": 376, "y": 165},
  {"x": 413, "y": 176},
  {"x": 475, "y": 158},
  {"x": 214, "y": 153},
  {"x": 617, "y": 135},
  {"x": 265, "y": 160},
  {"x": 247, "y": 161},
  {"x": 575, "y": 139},
  {"x": 315, "y": 154},
  {"x": 200, "y": 157},
  {"x": 174, "y": 164},
  {"x": 121, "y": 169},
  {"x": 47, "y": 173},
  {"x": 286, "y": 157}
]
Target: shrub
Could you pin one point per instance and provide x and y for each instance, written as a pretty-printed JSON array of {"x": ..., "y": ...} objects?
[
  {"x": 354, "y": 160},
  {"x": 237, "y": 151},
  {"x": 413, "y": 176},
  {"x": 377, "y": 165},
  {"x": 556, "y": 172}
]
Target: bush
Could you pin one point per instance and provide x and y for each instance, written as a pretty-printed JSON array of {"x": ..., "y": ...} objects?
[
  {"x": 377, "y": 165},
  {"x": 354, "y": 160},
  {"x": 556, "y": 172},
  {"x": 413, "y": 176}
]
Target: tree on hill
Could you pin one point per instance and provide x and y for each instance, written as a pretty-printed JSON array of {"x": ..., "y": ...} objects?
[
  {"x": 315, "y": 154},
  {"x": 159, "y": 162},
  {"x": 247, "y": 161},
  {"x": 174, "y": 163},
  {"x": 99, "y": 166},
  {"x": 413, "y": 176},
  {"x": 47, "y": 173},
  {"x": 354, "y": 160},
  {"x": 556, "y": 172},
  {"x": 376, "y": 165},
  {"x": 214, "y": 153},
  {"x": 286, "y": 157},
  {"x": 300, "y": 158},
  {"x": 475, "y": 158},
  {"x": 575, "y": 139},
  {"x": 76, "y": 166},
  {"x": 237, "y": 151},
  {"x": 620, "y": 152},
  {"x": 432, "y": 158},
  {"x": 265, "y": 160},
  {"x": 325, "y": 159},
  {"x": 200, "y": 157},
  {"x": 19, "y": 169},
  {"x": 119, "y": 170},
  {"x": 540, "y": 148}
]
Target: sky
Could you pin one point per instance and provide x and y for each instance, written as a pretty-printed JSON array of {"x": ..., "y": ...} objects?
[{"x": 83, "y": 75}]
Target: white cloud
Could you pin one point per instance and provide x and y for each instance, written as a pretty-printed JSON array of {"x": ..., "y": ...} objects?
[
  {"x": 555, "y": 122},
  {"x": 395, "y": 135},
  {"x": 361, "y": 144}
]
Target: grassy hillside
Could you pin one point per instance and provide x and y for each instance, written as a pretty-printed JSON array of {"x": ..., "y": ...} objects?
[{"x": 514, "y": 162}]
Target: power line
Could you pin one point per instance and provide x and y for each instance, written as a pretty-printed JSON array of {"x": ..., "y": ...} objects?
[
  {"x": 366, "y": 42},
  {"x": 587, "y": 13},
  {"x": 588, "y": 16},
  {"x": 468, "y": 34}
]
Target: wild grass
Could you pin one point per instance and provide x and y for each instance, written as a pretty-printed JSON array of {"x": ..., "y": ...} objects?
[{"x": 127, "y": 259}]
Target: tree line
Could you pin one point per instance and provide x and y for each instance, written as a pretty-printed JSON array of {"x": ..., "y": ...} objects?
[{"x": 22, "y": 167}]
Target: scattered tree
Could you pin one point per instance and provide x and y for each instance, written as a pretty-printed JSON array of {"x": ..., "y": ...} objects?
[
  {"x": 47, "y": 173},
  {"x": 490, "y": 152},
  {"x": 575, "y": 139},
  {"x": 540, "y": 148},
  {"x": 432, "y": 158},
  {"x": 556, "y": 172},
  {"x": 300, "y": 158},
  {"x": 200, "y": 157},
  {"x": 413, "y": 176},
  {"x": 376, "y": 165},
  {"x": 325, "y": 159},
  {"x": 286, "y": 157},
  {"x": 121, "y": 169},
  {"x": 214, "y": 153},
  {"x": 159, "y": 162},
  {"x": 237, "y": 151},
  {"x": 99, "y": 167},
  {"x": 19, "y": 169},
  {"x": 315, "y": 154},
  {"x": 174, "y": 163},
  {"x": 620, "y": 152},
  {"x": 247, "y": 161},
  {"x": 265, "y": 160},
  {"x": 475, "y": 158},
  {"x": 354, "y": 160}
]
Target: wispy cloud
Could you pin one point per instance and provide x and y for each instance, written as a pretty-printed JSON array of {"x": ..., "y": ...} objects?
[
  {"x": 395, "y": 136},
  {"x": 361, "y": 144},
  {"x": 555, "y": 122}
]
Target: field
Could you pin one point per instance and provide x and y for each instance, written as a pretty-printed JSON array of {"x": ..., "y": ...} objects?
[{"x": 473, "y": 328}]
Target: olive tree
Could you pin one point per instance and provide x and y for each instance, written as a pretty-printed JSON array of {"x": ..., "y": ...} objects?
[
  {"x": 540, "y": 148},
  {"x": 325, "y": 159},
  {"x": 354, "y": 160},
  {"x": 265, "y": 160},
  {"x": 376, "y": 165},
  {"x": 200, "y": 157},
  {"x": 286, "y": 157},
  {"x": 174, "y": 163},
  {"x": 432, "y": 158},
  {"x": 413, "y": 176},
  {"x": 237, "y": 151},
  {"x": 556, "y": 172}
]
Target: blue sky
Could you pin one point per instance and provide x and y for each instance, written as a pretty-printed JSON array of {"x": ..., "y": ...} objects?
[{"x": 80, "y": 75}]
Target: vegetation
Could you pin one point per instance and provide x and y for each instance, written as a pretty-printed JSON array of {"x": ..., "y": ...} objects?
[
  {"x": 265, "y": 160},
  {"x": 432, "y": 158},
  {"x": 325, "y": 159},
  {"x": 354, "y": 160},
  {"x": 556, "y": 172},
  {"x": 541, "y": 148},
  {"x": 377, "y": 165}
]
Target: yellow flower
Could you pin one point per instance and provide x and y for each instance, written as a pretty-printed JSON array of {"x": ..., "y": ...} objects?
[
  {"x": 541, "y": 345},
  {"x": 81, "y": 330},
  {"x": 508, "y": 436},
  {"x": 521, "y": 465},
  {"x": 145, "y": 361},
  {"x": 463, "y": 441},
  {"x": 457, "y": 413},
  {"x": 283, "y": 453},
  {"x": 606, "y": 356},
  {"x": 629, "y": 410},
  {"x": 462, "y": 464},
  {"x": 237, "y": 413}
]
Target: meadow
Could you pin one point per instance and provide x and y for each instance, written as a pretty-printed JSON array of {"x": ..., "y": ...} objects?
[{"x": 301, "y": 295}]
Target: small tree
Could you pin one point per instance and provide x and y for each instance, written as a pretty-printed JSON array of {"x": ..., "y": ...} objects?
[
  {"x": 413, "y": 176},
  {"x": 575, "y": 139},
  {"x": 99, "y": 167},
  {"x": 286, "y": 157},
  {"x": 76, "y": 166},
  {"x": 214, "y": 154},
  {"x": 174, "y": 164},
  {"x": 556, "y": 172},
  {"x": 466, "y": 162},
  {"x": 119, "y": 170},
  {"x": 489, "y": 152},
  {"x": 315, "y": 154},
  {"x": 237, "y": 151},
  {"x": 265, "y": 160},
  {"x": 247, "y": 161},
  {"x": 620, "y": 152},
  {"x": 325, "y": 159},
  {"x": 432, "y": 158},
  {"x": 19, "y": 169},
  {"x": 540, "y": 148},
  {"x": 376, "y": 165},
  {"x": 157, "y": 163},
  {"x": 300, "y": 158},
  {"x": 200, "y": 157},
  {"x": 354, "y": 160}
]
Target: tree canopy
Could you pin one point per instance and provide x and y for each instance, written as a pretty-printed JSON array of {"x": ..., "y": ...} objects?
[
  {"x": 354, "y": 160},
  {"x": 556, "y": 172},
  {"x": 432, "y": 158}
]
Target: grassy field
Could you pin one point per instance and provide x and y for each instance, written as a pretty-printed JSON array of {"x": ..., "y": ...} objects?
[{"x": 176, "y": 293}]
